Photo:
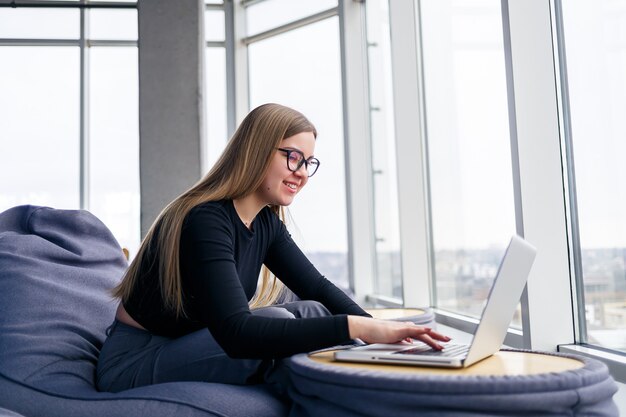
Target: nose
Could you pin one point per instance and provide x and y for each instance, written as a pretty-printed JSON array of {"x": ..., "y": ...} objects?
[
  {"x": 302, "y": 171},
  {"x": 302, "y": 174}
]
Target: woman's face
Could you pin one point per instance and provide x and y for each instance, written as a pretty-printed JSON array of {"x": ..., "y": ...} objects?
[{"x": 281, "y": 185}]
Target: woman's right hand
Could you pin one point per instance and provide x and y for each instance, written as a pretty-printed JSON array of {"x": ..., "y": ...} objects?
[{"x": 372, "y": 330}]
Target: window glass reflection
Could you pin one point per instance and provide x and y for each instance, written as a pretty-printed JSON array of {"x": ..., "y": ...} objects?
[
  {"x": 268, "y": 14},
  {"x": 39, "y": 126},
  {"x": 214, "y": 25},
  {"x": 114, "y": 142},
  {"x": 388, "y": 260},
  {"x": 469, "y": 148},
  {"x": 215, "y": 103},
  {"x": 308, "y": 79},
  {"x": 596, "y": 64},
  {"x": 113, "y": 24},
  {"x": 33, "y": 23}
]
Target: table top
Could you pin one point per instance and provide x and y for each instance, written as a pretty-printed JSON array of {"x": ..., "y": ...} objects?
[{"x": 500, "y": 364}]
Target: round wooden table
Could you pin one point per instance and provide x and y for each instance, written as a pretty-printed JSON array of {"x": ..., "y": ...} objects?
[
  {"x": 421, "y": 316},
  {"x": 503, "y": 363}
]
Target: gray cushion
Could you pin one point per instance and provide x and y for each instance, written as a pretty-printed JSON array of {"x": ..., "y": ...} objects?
[
  {"x": 321, "y": 390},
  {"x": 8, "y": 413},
  {"x": 180, "y": 399},
  {"x": 57, "y": 268}
]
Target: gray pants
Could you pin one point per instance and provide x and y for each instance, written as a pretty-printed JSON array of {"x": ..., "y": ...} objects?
[{"x": 132, "y": 357}]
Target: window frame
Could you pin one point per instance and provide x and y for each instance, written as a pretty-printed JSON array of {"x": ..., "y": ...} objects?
[
  {"x": 614, "y": 359},
  {"x": 355, "y": 105},
  {"x": 542, "y": 177},
  {"x": 84, "y": 43}
]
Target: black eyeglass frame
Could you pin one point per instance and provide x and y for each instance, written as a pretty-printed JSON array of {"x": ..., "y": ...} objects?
[{"x": 303, "y": 161}]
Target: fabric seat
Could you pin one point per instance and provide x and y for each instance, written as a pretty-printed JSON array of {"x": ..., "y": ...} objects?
[
  {"x": 8, "y": 413},
  {"x": 57, "y": 268}
]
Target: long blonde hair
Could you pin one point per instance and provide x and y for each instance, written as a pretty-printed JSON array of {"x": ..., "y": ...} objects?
[{"x": 238, "y": 173}]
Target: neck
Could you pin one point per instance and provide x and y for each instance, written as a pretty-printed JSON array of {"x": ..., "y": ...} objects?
[{"x": 247, "y": 208}]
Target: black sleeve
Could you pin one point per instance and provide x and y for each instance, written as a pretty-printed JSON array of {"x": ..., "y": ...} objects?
[
  {"x": 220, "y": 301},
  {"x": 285, "y": 259}
]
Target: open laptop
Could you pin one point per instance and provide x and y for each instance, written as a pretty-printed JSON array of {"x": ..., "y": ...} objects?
[{"x": 501, "y": 304}]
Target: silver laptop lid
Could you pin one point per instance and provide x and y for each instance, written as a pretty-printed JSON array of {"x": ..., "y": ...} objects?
[{"x": 503, "y": 299}]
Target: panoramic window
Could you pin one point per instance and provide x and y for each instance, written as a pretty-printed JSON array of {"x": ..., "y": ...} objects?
[
  {"x": 68, "y": 117},
  {"x": 39, "y": 126},
  {"x": 468, "y": 143},
  {"x": 268, "y": 14},
  {"x": 113, "y": 142},
  {"x": 596, "y": 64},
  {"x": 309, "y": 80},
  {"x": 384, "y": 169},
  {"x": 215, "y": 103}
]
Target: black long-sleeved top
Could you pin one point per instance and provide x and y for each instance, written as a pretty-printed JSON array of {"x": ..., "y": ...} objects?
[{"x": 220, "y": 260}]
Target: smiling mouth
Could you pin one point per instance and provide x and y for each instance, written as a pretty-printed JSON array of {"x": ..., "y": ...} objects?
[{"x": 290, "y": 185}]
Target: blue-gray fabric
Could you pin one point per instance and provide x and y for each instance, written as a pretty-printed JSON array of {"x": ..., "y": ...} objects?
[
  {"x": 180, "y": 399},
  {"x": 8, "y": 413},
  {"x": 322, "y": 390},
  {"x": 132, "y": 357},
  {"x": 56, "y": 269}
]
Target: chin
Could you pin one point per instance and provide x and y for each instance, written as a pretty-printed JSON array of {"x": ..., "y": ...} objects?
[{"x": 285, "y": 201}]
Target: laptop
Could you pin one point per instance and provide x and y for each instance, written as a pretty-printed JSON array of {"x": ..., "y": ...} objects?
[{"x": 505, "y": 293}]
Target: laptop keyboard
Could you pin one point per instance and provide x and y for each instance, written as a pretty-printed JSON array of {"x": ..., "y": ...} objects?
[{"x": 449, "y": 350}]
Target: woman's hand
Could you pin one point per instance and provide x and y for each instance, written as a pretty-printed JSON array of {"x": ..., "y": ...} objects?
[{"x": 385, "y": 331}]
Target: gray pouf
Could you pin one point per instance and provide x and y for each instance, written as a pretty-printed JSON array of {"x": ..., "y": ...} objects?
[
  {"x": 322, "y": 389},
  {"x": 8, "y": 413}
]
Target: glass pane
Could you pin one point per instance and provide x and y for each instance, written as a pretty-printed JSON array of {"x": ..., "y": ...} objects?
[
  {"x": 269, "y": 14},
  {"x": 596, "y": 64},
  {"x": 470, "y": 173},
  {"x": 388, "y": 261},
  {"x": 39, "y": 126},
  {"x": 214, "y": 25},
  {"x": 215, "y": 81},
  {"x": 114, "y": 142},
  {"x": 45, "y": 23},
  {"x": 308, "y": 79},
  {"x": 114, "y": 24}
]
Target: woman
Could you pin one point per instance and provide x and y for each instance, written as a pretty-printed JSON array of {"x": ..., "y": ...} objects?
[{"x": 198, "y": 269}]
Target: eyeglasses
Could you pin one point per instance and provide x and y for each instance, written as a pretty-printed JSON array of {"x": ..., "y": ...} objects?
[{"x": 295, "y": 160}]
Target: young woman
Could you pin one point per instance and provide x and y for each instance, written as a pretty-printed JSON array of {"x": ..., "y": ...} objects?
[{"x": 190, "y": 309}]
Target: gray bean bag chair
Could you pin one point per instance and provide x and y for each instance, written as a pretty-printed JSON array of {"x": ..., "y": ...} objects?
[
  {"x": 56, "y": 270},
  {"x": 8, "y": 413}
]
